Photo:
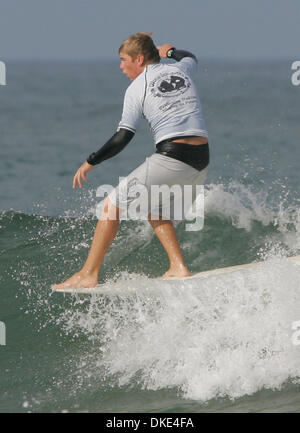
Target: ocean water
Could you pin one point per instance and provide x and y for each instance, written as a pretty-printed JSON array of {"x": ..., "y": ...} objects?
[{"x": 223, "y": 344}]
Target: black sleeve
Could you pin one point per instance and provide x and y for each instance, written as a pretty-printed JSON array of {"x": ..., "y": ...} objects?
[
  {"x": 179, "y": 54},
  {"x": 112, "y": 147}
]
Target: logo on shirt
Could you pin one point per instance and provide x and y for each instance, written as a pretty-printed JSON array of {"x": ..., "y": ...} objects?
[{"x": 167, "y": 85}]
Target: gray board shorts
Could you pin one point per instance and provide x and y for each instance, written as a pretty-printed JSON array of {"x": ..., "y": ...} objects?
[{"x": 161, "y": 186}]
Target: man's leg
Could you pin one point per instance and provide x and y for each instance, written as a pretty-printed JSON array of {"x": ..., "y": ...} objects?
[
  {"x": 106, "y": 230},
  {"x": 165, "y": 232}
]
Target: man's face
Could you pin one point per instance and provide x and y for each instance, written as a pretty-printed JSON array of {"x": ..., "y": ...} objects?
[{"x": 131, "y": 68}]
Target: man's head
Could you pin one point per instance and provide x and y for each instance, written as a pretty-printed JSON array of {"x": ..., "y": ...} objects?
[{"x": 136, "y": 52}]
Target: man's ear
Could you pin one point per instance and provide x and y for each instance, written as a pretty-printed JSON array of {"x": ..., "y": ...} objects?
[{"x": 140, "y": 59}]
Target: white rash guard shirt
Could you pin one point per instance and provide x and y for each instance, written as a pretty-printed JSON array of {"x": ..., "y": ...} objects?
[{"x": 166, "y": 96}]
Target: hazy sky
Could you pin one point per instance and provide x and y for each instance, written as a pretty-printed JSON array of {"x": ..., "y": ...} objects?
[{"x": 94, "y": 29}]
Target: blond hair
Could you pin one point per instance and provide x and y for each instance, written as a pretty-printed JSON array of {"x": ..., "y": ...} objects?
[{"x": 140, "y": 43}]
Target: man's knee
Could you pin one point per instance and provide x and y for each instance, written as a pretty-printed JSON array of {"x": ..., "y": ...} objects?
[{"x": 157, "y": 220}]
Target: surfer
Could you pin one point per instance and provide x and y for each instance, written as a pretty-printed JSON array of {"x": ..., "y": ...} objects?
[{"x": 166, "y": 96}]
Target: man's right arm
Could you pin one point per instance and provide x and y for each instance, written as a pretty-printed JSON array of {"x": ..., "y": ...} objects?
[
  {"x": 170, "y": 52},
  {"x": 178, "y": 55},
  {"x": 188, "y": 61}
]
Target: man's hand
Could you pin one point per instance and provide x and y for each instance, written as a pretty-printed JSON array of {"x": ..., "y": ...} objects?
[
  {"x": 163, "y": 49},
  {"x": 81, "y": 174}
]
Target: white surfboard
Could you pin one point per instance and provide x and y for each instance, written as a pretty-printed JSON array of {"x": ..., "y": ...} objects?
[{"x": 133, "y": 284}]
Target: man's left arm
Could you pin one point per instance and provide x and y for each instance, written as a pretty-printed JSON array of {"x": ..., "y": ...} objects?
[
  {"x": 132, "y": 111},
  {"x": 111, "y": 148}
]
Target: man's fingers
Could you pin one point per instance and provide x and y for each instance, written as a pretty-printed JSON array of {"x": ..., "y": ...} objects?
[
  {"x": 163, "y": 49},
  {"x": 77, "y": 178}
]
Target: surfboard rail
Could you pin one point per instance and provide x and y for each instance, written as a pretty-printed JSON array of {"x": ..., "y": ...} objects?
[{"x": 104, "y": 288}]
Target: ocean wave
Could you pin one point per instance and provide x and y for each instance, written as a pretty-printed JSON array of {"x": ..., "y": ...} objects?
[
  {"x": 240, "y": 226},
  {"x": 234, "y": 205},
  {"x": 228, "y": 335}
]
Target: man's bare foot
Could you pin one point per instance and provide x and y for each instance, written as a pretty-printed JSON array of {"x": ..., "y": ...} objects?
[
  {"x": 178, "y": 273},
  {"x": 78, "y": 280}
]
